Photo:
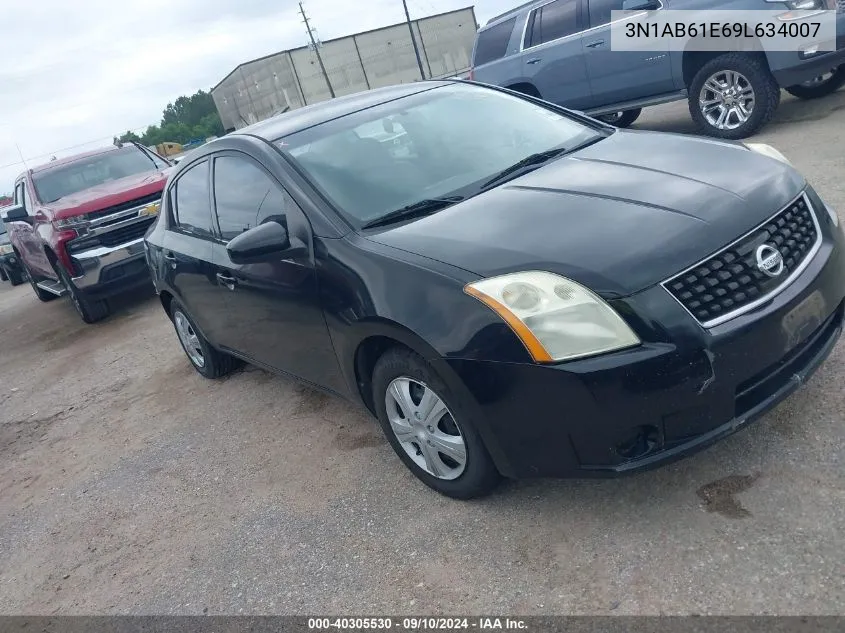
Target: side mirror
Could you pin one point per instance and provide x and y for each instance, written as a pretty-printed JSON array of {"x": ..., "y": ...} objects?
[
  {"x": 17, "y": 213},
  {"x": 266, "y": 242},
  {"x": 640, "y": 5}
]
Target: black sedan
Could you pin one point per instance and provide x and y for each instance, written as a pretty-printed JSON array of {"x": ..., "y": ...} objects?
[{"x": 513, "y": 289}]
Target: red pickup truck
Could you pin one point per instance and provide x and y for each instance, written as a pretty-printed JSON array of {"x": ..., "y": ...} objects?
[{"x": 78, "y": 224}]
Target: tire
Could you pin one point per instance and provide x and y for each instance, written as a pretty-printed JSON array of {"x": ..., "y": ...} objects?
[
  {"x": 16, "y": 277},
  {"x": 42, "y": 295},
  {"x": 816, "y": 89},
  {"x": 621, "y": 119},
  {"x": 208, "y": 362},
  {"x": 91, "y": 310},
  {"x": 452, "y": 429},
  {"x": 3, "y": 274},
  {"x": 753, "y": 74}
]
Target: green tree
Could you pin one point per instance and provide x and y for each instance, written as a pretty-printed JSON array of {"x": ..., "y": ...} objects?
[{"x": 185, "y": 119}]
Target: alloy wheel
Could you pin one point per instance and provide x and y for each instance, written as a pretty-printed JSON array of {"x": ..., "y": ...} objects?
[
  {"x": 425, "y": 428},
  {"x": 726, "y": 99},
  {"x": 189, "y": 339}
]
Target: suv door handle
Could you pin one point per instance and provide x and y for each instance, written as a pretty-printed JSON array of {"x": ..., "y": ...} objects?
[
  {"x": 534, "y": 60},
  {"x": 595, "y": 44},
  {"x": 227, "y": 281},
  {"x": 171, "y": 258}
]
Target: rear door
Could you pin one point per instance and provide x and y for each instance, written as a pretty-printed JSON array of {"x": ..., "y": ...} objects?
[
  {"x": 553, "y": 56},
  {"x": 274, "y": 314},
  {"x": 617, "y": 76},
  {"x": 187, "y": 249}
]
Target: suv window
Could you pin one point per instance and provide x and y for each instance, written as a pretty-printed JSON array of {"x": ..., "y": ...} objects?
[
  {"x": 492, "y": 43},
  {"x": 245, "y": 196},
  {"x": 554, "y": 20},
  {"x": 191, "y": 210},
  {"x": 600, "y": 11}
]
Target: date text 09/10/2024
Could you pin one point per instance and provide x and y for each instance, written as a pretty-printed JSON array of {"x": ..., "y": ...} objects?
[{"x": 417, "y": 624}]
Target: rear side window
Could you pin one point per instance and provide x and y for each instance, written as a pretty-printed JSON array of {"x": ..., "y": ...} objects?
[
  {"x": 192, "y": 212},
  {"x": 493, "y": 42},
  {"x": 245, "y": 196},
  {"x": 600, "y": 11},
  {"x": 553, "y": 21}
]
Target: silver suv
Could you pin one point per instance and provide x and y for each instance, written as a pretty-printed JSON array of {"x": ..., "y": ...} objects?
[{"x": 560, "y": 51}]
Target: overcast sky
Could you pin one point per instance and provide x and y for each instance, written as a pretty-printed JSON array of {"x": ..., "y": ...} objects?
[{"x": 75, "y": 74}]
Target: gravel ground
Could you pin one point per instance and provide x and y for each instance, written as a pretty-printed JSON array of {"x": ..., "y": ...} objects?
[{"x": 129, "y": 484}]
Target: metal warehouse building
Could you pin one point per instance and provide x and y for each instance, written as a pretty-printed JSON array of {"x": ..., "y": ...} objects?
[{"x": 264, "y": 87}]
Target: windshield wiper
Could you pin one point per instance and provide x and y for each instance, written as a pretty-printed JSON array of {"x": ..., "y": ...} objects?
[
  {"x": 529, "y": 161},
  {"x": 416, "y": 210}
]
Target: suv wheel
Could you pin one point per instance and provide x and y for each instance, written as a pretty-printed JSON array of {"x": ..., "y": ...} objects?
[
  {"x": 206, "y": 360},
  {"x": 16, "y": 276},
  {"x": 91, "y": 310},
  {"x": 733, "y": 96},
  {"x": 621, "y": 119},
  {"x": 821, "y": 86},
  {"x": 430, "y": 434}
]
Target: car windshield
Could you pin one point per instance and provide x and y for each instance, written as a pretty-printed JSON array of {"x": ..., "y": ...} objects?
[
  {"x": 442, "y": 143},
  {"x": 57, "y": 183}
]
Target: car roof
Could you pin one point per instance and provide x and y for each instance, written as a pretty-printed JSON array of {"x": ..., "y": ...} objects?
[
  {"x": 72, "y": 159},
  {"x": 303, "y": 118},
  {"x": 531, "y": 4}
]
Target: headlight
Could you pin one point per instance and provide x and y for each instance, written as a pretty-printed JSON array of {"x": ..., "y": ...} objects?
[
  {"x": 554, "y": 317},
  {"x": 768, "y": 150},
  {"x": 71, "y": 223},
  {"x": 5, "y": 249}
]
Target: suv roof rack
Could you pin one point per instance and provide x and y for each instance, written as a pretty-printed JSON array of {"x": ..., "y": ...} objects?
[{"x": 511, "y": 12}]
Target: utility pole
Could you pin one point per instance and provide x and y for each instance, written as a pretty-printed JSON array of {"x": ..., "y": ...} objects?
[
  {"x": 413, "y": 39},
  {"x": 316, "y": 50}
]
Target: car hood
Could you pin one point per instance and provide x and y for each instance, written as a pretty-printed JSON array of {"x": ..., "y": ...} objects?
[
  {"x": 109, "y": 194},
  {"x": 618, "y": 216}
]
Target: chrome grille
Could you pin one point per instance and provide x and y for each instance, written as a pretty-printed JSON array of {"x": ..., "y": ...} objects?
[{"x": 730, "y": 282}]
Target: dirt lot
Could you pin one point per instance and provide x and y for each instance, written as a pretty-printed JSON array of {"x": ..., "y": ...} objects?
[{"x": 129, "y": 484}]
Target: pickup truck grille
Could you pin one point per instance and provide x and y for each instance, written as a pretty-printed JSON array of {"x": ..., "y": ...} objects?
[
  {"x": 138, "y": 202},
  {"x": 729, "y": 282},
  {"x": 126, "y": 233}
]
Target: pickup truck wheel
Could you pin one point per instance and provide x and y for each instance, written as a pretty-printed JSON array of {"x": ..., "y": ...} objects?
[
  {"x": 15, "y": 277},
  {"x": 733, "y": 96},
  {"x": 820, "y": 86},
  {"x": 91, "y": 310},
  {"x": 206, "y": 360},
  {"x": 3, "y": 275},
  {"x": 621, "y": 119},
  {"x": 42, "y": 295}
]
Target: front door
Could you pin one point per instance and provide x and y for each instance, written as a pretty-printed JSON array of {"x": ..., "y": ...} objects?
[
  {"x": 26, "y": 236},
  {"x": 552, "y": 55},
  {"x": 188, "y": 249},
  {"x": 618, "y": 76},
  {"x": 274, "y": 314}
]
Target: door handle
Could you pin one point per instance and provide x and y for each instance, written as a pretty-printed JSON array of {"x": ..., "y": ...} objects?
[
  {"x": 227, "y": 281},
  {"x": 595, "y": 44},
  {"x": 534, "y": 60},
  {"x": 171, "y": 259}
]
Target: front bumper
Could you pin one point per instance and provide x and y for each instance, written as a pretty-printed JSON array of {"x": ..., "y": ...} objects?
[
  {"x": 687, "y": 388},
  {"x": 790, "y": 69},
  {"x": 105, "y": 271}
]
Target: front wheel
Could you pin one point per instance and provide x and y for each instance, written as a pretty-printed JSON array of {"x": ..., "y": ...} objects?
[
  {"x": 621, "y": 119},
  {"x": 91, "y": 310},
  {"x": 432, "y": 436},
  {"x": 820, "y": 86},
  {"x": 733, "y": 96},
  {"x": 16, "y": 277}
]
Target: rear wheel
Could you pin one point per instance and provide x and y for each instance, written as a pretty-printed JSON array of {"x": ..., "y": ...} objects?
[
  {"x": 206, "y": 360},
  {"x": 434, "y": 438},
  {"x": 621, "y": 119},
  {"x": 733, "y": 96},
  {"x": 91, "y": 310},
  {"x": 820, "y": 86}
]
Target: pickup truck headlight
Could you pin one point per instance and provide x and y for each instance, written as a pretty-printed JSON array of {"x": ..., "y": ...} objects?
[
  {"x": 554, "y": 317},
  {"x": 77, "y": 221},
  {"x": 6, "y": 249}
]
